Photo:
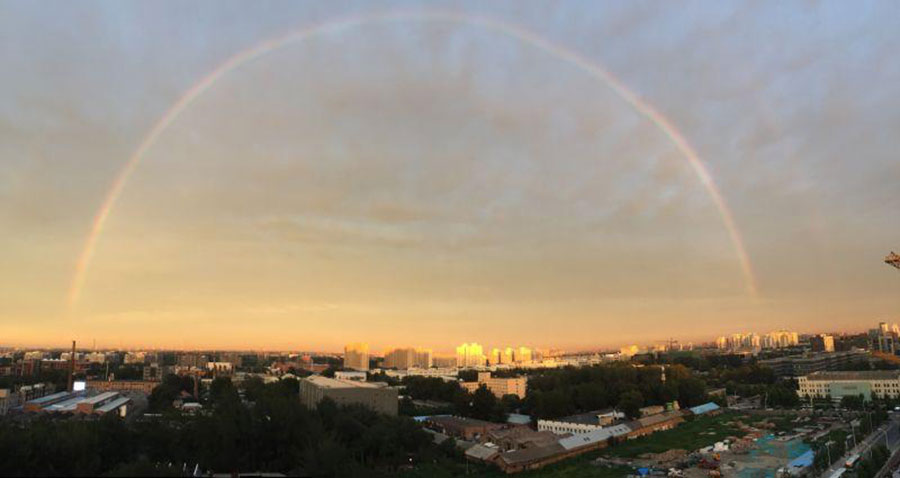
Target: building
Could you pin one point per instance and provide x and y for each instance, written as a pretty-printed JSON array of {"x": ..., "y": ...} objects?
[
  {"x": 154, "y": 372},
  {"x": 423, "y": 358},
  {"x": 780, "y": 339},
  {"x": 351, "y": 375},
  {"x": 654, "y": 423},
  {"x": 444, "y": 361},
  {"x": 796, "y": 365},
  {"x": 373, "y": 395},
  {"x": 8, "y": 400},
  {"x": 80, "y": 403},
  {"x": 581, "y": 423},
  {"x": 406, "y": 358},
  {"x": 822, "y": 343},
  {"x": 499, "y": 386},
  {"x": 470, "y": 356},
  {"x": 461, "y": 427},
  {"x": 837, "y": 385},
  {"x": 193, "y": 360},
  {"x": 356, "y": 356},
  {"x": 220, "y": 369},
  {"x": 522, "y": 355},
  {"x": 122, "y": 385},
  {"x": 887, "y": 344}
]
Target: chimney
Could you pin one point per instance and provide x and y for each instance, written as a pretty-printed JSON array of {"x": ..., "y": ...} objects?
[{"x": 71, "y": 367}]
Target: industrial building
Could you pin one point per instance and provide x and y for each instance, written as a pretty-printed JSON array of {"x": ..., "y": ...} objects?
[
  {"x": 374, "y": 395},
  {"x": 837, "y": 385},
  {"x": 79, "y": 402}
]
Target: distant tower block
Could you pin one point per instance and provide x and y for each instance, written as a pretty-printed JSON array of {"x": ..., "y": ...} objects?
[{"x": 893, "y": 259}]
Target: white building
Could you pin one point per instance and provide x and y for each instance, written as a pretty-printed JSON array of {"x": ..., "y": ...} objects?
[{"x": 880, "y": 383}]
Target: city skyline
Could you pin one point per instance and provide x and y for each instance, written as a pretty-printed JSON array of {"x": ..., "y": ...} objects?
[
  {"x": 552, "y": 176},
  {"x": 449, "y": 350}
]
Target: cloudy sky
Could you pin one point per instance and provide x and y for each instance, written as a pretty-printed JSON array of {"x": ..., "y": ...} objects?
[{"x": 431, "y": 179}]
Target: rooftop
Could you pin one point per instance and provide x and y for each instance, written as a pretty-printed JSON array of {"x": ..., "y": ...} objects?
[
  {"x": 99, "y": 398},
  {"x": 589, "y": 418},
  {"x": 453, "y": 421},
  {"x": 326, "y": 382},
  {"x": 857, "y": 375},
  {"x": 531, "y": 454},
  {"x": 705, "y": 408},
  {"x": 66, "y": 405},
  {"x": 595, "y": 436},
  {"x": 114, "y": 404},
  {"x": 49, "y": 398}
]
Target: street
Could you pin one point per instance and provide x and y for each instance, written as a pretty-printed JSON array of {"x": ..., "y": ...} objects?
[{"x": 891, "y": 429}]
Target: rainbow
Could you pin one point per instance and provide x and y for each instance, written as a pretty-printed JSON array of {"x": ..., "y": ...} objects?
[{"x": 510, "y": 30}]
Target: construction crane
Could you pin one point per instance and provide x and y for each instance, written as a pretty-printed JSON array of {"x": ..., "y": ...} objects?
[{"x": 892, "y": 259}]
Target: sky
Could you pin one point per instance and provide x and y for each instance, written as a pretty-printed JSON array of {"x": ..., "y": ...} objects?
[{"x": 427, "y": 179}]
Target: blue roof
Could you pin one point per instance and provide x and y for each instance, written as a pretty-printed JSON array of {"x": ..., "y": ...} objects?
[
  {"x": 50, "y": 398},
  {"x": 803, "y": 461},
  {"x": 705, "y": 408}
]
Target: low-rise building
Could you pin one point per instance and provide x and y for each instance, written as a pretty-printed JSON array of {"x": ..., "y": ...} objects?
[
  {"x": 461, "y": 427},
  {"x": 582, "y": 422},
  {"x": 374, "y": 395},
  {"x": 142, "y": 386},
  {"x": 654, "y": 423},
  {"x": 350, "y": 375},
  {"x": 880, "y": 383}
]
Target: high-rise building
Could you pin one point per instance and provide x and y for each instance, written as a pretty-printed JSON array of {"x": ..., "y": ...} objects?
[
  {"x": 356, "y": 356},
  {"x": 822, "y": 343},
  {"x": 780, "y": 339},
  {"x": 405, "y": 358},
  {"x": 522, "y": 355},
  {"x": 423, "y": 358},
  {"x": 470, "y": 355}
]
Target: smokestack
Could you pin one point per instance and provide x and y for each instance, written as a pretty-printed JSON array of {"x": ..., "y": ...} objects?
[{"x": 71, "y": 367}]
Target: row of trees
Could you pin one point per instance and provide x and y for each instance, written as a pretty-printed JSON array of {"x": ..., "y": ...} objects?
[
  {"x": 558, "y": 392},
  {"x": 275, "y": 433}
]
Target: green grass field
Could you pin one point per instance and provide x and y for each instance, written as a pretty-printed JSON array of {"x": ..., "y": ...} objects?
[{"x": 690, "y": 435}]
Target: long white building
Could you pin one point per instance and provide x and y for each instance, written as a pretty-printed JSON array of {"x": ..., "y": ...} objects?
[{"x": 879, "y": 383}]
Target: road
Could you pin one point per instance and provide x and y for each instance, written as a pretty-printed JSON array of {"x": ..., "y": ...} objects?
[{"x": 891, "y": 428}]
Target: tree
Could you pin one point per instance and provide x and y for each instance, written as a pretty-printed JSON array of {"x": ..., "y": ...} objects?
[
  {"x": 692, "y": 392},
  {"x": 630, "y": 403},
  {"x": 485, "y": 405},
  {"x": 853, "y": 402}
]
